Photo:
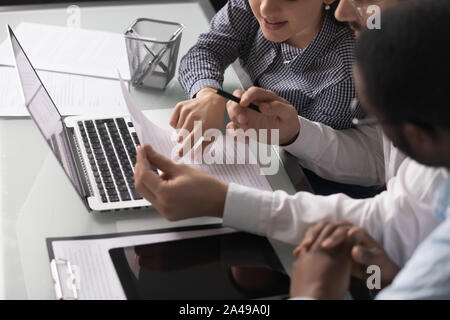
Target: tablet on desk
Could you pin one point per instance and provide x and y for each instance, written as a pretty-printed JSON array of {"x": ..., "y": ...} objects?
[{"x": 236, "y": 265}]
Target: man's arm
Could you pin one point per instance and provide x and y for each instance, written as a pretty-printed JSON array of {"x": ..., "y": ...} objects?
[
  {"x": 399, "y": 218},
  {"x": 353, "y": 156}
]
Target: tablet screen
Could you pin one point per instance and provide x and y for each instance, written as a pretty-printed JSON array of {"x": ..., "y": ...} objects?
[{"x": 227, "y": 266}]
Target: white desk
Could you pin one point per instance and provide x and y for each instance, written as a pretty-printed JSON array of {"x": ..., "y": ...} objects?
[{"x": 36, "y": 199}]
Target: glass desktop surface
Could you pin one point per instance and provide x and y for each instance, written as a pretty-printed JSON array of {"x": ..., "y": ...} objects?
[{"x": 37, "y": 201}]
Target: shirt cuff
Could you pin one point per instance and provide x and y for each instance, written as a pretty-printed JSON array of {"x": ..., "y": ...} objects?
[
  {"x": 200, "y": 84},
  {"x": 247, "y": 209},
  {"x": 306, "y": 138}
]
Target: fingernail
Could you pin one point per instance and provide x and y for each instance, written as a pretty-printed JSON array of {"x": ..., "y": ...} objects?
[
  {"x": 326, "y": 243},
  {"x": 240, "y": 118}
]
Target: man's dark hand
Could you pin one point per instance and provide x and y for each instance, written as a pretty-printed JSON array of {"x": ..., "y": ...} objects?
[
  {"x": 365, "y": 252},
  {"x": 319, "y": 272}
]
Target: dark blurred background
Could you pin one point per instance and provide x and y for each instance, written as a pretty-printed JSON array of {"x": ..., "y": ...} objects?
[{"x": 217, "y": 4}]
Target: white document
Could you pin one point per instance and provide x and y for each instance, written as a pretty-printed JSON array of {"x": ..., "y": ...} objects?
[
  {"x": 73, "y": 95},
  {"x": 70, "y": 50},
  {"x": 96, "y": 277},
  {"x": 163, "y": 142}
]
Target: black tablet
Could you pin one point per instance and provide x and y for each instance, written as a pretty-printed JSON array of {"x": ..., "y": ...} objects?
[{"x": 231, "y": 266}]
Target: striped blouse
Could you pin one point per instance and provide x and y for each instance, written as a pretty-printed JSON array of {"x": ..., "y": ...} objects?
[{"x": 317, "y": 80}]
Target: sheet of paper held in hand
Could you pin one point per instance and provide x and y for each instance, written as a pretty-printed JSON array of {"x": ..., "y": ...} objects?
[{"x": 164, "y": 142}]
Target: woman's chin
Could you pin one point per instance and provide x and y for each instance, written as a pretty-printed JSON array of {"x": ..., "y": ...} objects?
[{"x": 272, "y": 36}]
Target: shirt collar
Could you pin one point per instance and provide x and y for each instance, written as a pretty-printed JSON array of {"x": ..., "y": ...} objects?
[
  {"x": 317, "y": 47},
  {"x": 289, "y": 52},
  {"x": 264, "y": 52}
]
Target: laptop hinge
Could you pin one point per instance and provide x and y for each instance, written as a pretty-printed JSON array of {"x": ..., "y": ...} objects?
[{"x": 80, "y": 165}]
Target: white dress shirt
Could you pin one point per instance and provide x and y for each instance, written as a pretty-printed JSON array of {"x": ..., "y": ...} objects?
[
  {"x": 399, "y": 218},
  {"x": 427, "y": 273}
]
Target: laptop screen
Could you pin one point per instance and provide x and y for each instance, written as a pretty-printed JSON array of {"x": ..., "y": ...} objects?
[{"x": 44, "y": 112}]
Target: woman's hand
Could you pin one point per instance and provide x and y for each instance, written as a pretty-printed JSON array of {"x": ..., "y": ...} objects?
[{"x": 208, "y": 108}]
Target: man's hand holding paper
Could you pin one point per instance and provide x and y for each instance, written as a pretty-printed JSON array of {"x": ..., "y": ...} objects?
[
  {"x": 173, "y": 191},
  {"x": 181, "y": 191}
]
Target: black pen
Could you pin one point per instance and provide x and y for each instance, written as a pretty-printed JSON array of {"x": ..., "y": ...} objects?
[{"x": 236, "y": 99}]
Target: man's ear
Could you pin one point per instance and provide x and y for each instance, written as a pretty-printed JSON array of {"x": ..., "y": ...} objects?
[{"x": 419, "y": 138}]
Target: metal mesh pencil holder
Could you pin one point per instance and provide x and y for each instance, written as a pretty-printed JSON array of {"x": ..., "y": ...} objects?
[{"x": 152, "y": 48}]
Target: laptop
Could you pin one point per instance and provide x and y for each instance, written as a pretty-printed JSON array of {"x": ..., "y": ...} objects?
[{"x": 98, "y": 154}]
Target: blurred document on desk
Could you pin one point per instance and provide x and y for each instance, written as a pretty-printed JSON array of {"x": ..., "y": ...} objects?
[
  {"x": 70, "y": 50},
  {"x": 97, "y": 279},
  {"x": 73, "y": 95}
]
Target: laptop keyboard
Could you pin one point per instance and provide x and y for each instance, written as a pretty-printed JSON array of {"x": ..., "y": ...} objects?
[{"x": 111, "y": 151}]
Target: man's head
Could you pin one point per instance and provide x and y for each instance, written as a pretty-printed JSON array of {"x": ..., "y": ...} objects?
[
  {"x": 356, "y": 13},
  {"x": 402, "y": 76}
]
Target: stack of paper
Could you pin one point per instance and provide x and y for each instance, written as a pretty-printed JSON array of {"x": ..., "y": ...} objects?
[
  {"x": 78, "y": 68},
  {"x": 70, "y": 50}
]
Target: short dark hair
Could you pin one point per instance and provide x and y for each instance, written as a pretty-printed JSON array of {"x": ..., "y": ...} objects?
[{"x": 405, "y": 65}]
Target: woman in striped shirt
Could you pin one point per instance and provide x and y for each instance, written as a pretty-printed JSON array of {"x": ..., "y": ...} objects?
[{"x": 295, "y": 48}]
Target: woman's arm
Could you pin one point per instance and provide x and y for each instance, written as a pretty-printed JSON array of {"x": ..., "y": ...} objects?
[{"x": 205, "y": 63}]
